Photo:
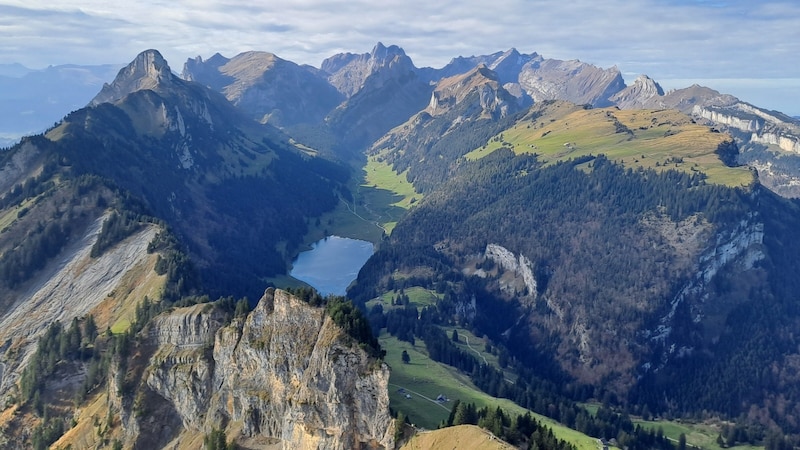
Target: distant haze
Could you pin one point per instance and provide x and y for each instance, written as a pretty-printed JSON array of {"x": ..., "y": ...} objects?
[{"x": 731, "y": 40}]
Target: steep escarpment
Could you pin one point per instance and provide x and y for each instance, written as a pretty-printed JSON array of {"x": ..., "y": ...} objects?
[
  {"x": 74, "y": 286},
  {"x": 768, "y": 141},
  {"x": 285, "y": 375}
]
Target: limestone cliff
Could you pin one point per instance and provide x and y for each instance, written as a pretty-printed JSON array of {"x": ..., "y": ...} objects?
[
  {"x": 284, "y": 376},
  {"x": 147, "y": 71}
]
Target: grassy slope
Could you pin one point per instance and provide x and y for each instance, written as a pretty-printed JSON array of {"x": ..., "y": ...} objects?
[
  {"x": 429, "y": 378},
  {"x": 698, "y": 435},
  {"x": 475, "y": 345},
  {"x": 417, "y": 296},
  {"x": 381, "y": 198},
  {"x": 386, "y": 193},
  {"x": 654, "y": 138}
]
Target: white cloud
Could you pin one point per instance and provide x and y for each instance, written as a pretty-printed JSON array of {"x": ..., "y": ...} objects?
[{"x": 665, "y": 39}]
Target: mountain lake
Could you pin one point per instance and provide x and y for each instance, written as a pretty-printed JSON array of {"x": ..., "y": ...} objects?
[{"x": 332, "y": 263}]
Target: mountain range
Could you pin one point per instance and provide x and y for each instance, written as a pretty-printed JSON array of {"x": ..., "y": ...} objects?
[
  {"x": 606, "y": 243},
  {"x": 32, "y": 100}
]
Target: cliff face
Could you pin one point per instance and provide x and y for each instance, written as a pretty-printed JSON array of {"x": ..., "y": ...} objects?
[{"x": 286, "y": 374}]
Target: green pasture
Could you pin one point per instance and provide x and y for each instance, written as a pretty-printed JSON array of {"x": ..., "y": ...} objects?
[{"x": 431, "y": 379}]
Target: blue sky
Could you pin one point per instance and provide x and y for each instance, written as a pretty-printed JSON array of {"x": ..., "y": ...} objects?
[{"x": 749, "y": 49}]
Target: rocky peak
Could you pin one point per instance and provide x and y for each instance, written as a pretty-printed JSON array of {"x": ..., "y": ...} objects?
[
  {"x": 195, "y": 69},
  {"x": 647, "y": 86},
  {"x": 148, "y": 71},
  {"x": 217, "y": 59},
  {"x": 349, "y": 72},
  {"x": 336, "y": 62},
  {"x": 638, "y": 94},
  {"x": 267, "y": 88},
  {"x": 493, "y": 98},
  {"x": 509, "y": 64},
  {"x": 382, "y": 53},
  {"x": 574, "y": 81}
]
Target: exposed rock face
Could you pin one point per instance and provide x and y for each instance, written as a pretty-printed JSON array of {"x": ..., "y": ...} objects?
[
  {"x": 645, "y": 93},
  {"x": 348, "y": 72},
  {"x": 286, "y": 374},
  {"x": 384, "y": 91},
  {"x": 541, "y": 79},
  {"x": 641, "y": 92},
  {"x": 521, "y": 266},
  {"x": 786, "y": 143},
  {"x": 147, "y": 71},
  {"x": 738, "y": 248},
  {"x": 749, "y": 123},
  {"x": 72, "y": 285},
  {"x": 763, "y": 138},
  {"x": 574, "y": 81},
  {"x": 494, "y": 100}
]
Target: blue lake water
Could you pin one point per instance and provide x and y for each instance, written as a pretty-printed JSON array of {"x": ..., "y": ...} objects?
[{"x": 332, "y": 263}]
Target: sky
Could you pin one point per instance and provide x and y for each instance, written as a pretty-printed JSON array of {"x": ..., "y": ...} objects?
[{"x": 750, "y": 49}]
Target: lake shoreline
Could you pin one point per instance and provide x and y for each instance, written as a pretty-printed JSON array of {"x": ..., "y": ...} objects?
[{"x": 332, "y": 263}]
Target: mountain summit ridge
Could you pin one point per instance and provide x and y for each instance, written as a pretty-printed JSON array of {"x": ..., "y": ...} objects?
[{"x": 148, "y": 71}]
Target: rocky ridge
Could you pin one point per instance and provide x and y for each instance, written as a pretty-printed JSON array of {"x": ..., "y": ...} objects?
[
  {"x": 269, "y": 89},
  {"x": 494, "y": 100},
  {"x": 348, "y": 72},
  {"x": 285, "y": 375},
  {"x": 147, "y": 71}
]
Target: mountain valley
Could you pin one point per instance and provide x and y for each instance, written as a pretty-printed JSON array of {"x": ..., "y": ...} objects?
[{"x": 547, "y": 236}]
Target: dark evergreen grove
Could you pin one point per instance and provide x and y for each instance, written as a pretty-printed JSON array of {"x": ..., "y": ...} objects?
[{"x": 581, "y": 224}]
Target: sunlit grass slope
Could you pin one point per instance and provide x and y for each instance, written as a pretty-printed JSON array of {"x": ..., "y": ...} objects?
[
  {"x": 655, "y": 139},
  {"x": 425, "y": 377}
]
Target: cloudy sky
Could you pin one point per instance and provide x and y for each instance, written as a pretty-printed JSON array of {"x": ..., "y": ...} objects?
[{"x": 747, "y": 48}]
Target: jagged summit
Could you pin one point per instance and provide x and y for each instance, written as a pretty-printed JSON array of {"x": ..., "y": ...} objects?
[
  {"x": 381, "y": 52},
  {"x": 493, "y": 100},
  {"x": 216, "y": 59},
  {"x": 348, "y": 71},
  {"x": 648, "y": 85},
  {"x": 148, "y": 71},
  {"x": 266, "y": 87},
  {"x": 509, "y": 64},
  {"x": 641, "y": 91}
]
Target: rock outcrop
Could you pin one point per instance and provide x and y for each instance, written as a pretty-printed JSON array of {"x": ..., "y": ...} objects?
[
  {"x": 574, "y": 81},
  {"x": 493, "y": 100},
  {"x": 71, "y": 286},
  {"x": 147, "y": 71},
  {"x": 643, "y": 90},
  {"x": 744, "y": 122},
  {"x": 348, "y": 72},
  {"x": 286, "y": 374}
]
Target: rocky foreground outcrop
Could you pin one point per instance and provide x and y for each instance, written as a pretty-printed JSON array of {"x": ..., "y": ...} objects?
[{"x": 284, "y": 376}]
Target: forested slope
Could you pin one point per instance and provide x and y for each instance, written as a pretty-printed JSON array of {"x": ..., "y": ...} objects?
[{"x": 626, "y": 282}]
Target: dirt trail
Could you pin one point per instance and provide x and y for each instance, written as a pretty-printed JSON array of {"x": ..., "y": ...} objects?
[{"x": 466, "y": 339}]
